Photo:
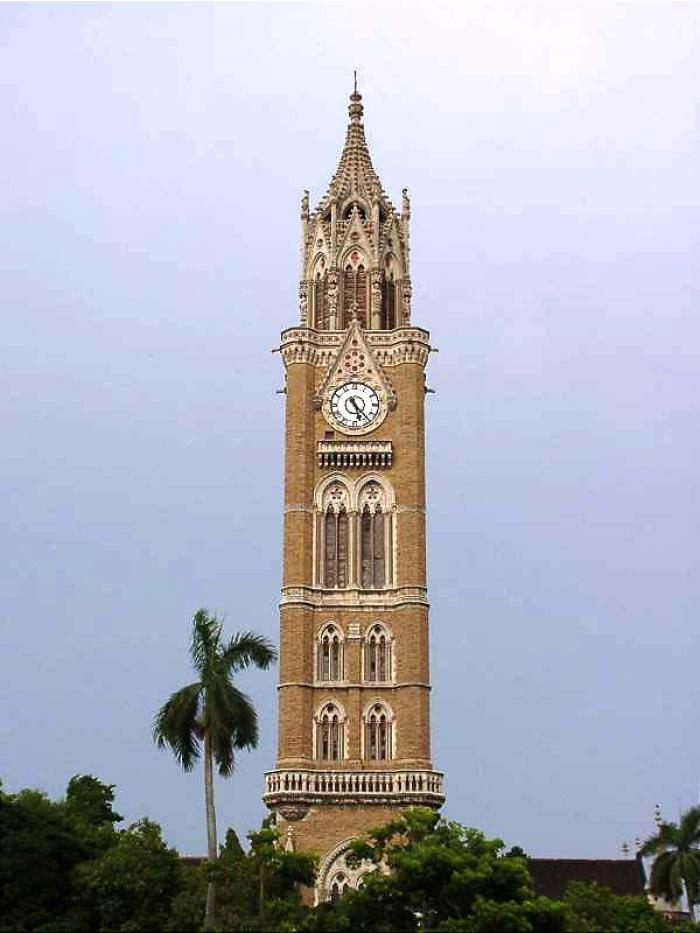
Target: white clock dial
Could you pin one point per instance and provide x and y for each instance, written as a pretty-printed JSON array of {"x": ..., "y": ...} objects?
[{"x": 355, "y": 405}]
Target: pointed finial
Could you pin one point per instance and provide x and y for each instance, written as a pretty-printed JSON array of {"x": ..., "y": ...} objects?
[{"x": 356, "y": 109}]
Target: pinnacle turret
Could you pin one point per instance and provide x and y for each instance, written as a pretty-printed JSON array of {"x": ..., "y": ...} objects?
[{"x": 355, "y": 245}]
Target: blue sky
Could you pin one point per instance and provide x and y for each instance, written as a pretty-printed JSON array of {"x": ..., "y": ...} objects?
[{"x": 153, "y": 160}]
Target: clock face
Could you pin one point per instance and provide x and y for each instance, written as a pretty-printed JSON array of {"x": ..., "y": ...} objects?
[{"x": 355, "y": 405}]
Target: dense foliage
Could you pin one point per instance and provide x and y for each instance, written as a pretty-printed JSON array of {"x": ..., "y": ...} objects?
[{"x": 64, "y": 866}]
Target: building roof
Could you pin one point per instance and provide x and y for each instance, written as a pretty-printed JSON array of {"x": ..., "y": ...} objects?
[{"x": 550, "y": 876}]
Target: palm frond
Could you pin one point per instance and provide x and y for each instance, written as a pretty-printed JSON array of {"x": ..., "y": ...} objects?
[
  {"x": 176, "y": 725},
  {"x": 665, "y": 838},
  {"x": 689, "y": 827},
  {"x": 206, "y": 640},
  {"x": 246, "y": 648},
  {"x": 232, "y": 723},
  {"x": 664, "y": 880}
]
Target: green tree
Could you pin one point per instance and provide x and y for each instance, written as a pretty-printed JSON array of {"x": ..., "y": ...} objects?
[
  {"x": 211, "y": 715},
  {"x": 41, "y": 844},
  {"x": 90, "y": 801},
  {"x": 238, "y": 887},
  {"x": 39, "y": 849},
  {"x": 675, "y": 848},
  {"x": 590, "y": 908},
  {"x": 425, "y": 873},
  {"x": 279, "y": 874},
  {"x": 131, "y": 886}
]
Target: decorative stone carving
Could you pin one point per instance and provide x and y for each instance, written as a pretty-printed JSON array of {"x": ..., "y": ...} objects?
[
  {"x": 340, "y": 871},
  {"x": 406, "y": 294},
  {"x": 372, "y": 495},
  {"x": 376, "y": 299},
  {"x": 304, "y": 303},
  {"x": 355, "y": 362},
  {"x": 336, "y": 497},
  {"x": 333, "y": 298},
  {"x": 346, "y": 453},
  {"x": 293, "y": 813}
]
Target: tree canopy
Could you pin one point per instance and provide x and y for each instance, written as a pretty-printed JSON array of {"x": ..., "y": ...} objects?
[{"x": 64, "y": 866}]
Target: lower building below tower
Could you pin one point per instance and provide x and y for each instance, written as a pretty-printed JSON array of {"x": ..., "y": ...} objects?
[{"x": 322, "y": 811}]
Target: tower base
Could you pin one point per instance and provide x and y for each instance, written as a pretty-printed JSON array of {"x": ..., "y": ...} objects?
[{"x": 322, "y": 812}]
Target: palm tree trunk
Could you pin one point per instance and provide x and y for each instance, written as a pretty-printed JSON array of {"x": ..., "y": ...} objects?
[
  {"x": 689, "y": 898},
  {"x": 211, "y": 832}
]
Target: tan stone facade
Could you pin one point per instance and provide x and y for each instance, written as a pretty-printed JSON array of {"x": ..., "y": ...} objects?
[{"x": 354, "y": 710}]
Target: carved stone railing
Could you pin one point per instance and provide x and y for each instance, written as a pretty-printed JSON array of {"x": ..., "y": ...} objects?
[
  {"x": 296, "y": 787},
  {"x": 354, "y": 453}
]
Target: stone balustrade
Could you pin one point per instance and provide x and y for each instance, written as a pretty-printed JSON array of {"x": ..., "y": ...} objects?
[{"x": 403, "y": 787}]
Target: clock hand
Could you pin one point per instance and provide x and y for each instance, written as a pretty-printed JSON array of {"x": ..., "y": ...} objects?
[{"x": 352, "y": 402}]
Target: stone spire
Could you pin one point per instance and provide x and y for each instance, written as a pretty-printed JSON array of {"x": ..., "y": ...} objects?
[{"x": 355, "y": 175}]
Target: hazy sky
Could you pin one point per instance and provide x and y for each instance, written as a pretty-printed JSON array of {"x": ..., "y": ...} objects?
[{"x": 152, "y": 163}]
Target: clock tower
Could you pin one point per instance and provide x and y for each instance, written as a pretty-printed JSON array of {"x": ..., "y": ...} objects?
[{"x": 354, "y": 691}]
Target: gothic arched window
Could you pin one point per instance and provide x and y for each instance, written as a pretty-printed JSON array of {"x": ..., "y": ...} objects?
[
  {"x": 321, "y": 316},
  {"x": 338, "y": 886},
  {"x": 330, "y": 654},
  {"x": 355, "y": 290},
  {"x": 389, "y": 302},
  {"x": 378, "y": 733},
  {"x": 373, "y": 523},
  {"x": 378, "y": 655},
  {"x": 330, "y": 734},
  {"x": 372, "y": 545},
  {"x": 335, "y": 573}
]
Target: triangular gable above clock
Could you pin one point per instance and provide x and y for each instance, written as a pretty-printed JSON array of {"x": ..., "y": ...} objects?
[{"x": 356, "y": 362}]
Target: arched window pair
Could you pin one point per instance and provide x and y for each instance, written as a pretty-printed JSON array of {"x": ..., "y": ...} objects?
[
  {"x": 351, "y": 296},
  {"x": 372, "y": 548},
  {"x": 377, "y": 648},
  {"x": 329, "y": 664},
  {"x": 330, "y": 734},
  {"x": 356, "y": 546},
  {"x": 378, "y": 735}
]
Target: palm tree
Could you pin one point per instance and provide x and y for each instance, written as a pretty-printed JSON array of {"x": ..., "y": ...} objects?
[
  {"x": 676, "y": 851},
  {"x": 213, "y": 714}
]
